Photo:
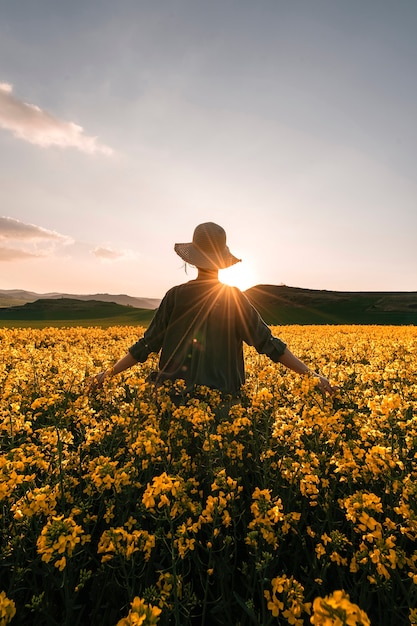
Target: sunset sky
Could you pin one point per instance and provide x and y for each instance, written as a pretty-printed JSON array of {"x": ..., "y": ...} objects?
[{"x": 292, "y": 123}]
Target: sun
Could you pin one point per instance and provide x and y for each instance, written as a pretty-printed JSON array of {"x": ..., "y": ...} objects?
[{"x": 240, "y": 275}]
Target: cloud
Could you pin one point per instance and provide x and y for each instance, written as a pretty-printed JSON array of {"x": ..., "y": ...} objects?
[
  {"x": 11, "y": 228},
  {"x": 34, "y": 241},
  {"x": 13, "y": 254},
  {"x": 108, "y": 254},
  {"x": 31, "y": 123}
]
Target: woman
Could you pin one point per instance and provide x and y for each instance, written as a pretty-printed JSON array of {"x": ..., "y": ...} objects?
[{"x": 200, "y": 326}]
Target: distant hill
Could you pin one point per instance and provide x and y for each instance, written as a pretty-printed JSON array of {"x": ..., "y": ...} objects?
[
  {"x": 292, "y": 305},
  {"x": 16, "y": 297},
  {"x": 71, "y": 312},
  {"x": 276, "y": 304}
]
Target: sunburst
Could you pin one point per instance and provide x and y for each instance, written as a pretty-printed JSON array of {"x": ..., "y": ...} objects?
[{"x": 241, "y": 275}]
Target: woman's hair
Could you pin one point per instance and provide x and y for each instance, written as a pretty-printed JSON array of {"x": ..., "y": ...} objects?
[{"x": 187, "y": 265}]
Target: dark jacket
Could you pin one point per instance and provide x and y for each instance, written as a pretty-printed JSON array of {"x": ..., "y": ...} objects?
[{"x": 200, "y": 328}]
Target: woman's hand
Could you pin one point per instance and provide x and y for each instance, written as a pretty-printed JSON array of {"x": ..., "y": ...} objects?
[
  {"x": 324, "y": 385},
  {"x": 96, "y": 382},
  {"x": 100, "y": 377},
  {"x": 296, "y": 365}
]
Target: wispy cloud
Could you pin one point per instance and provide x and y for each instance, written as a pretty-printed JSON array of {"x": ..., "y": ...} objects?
[
  {"x": 11, "y": 228},
  {"x": 108, "y": 254},
  {"x": 31, "y": 123},
  {"x": 33, "y": 241},
  {"x": 14, "y": 254}
]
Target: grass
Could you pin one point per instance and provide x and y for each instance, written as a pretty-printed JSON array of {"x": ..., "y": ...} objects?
[
  {"x": 67, "y": 312},
  {"x": 339, "y": 314},
  {"x": 288, "y": 305},
  {"x": 278, "y": 305}
]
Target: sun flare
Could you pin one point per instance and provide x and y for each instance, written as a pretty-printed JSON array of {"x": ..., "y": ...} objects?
[{"x": 240, "y": 275}]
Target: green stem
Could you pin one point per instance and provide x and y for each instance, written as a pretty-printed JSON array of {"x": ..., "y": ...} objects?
[
  {"x": 61, "y": 473},
  {"x": 209, "y": 564}
]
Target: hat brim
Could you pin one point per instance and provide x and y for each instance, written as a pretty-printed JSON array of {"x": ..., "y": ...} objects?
[{"x": 194, "y": 256}]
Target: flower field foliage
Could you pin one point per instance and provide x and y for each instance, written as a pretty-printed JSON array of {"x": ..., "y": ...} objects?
[{"x": 292, "y": 508}]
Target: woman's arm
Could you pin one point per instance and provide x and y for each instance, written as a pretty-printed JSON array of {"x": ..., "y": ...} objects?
[
  {"x": 296, "y": 365},
  {"x": 122, "y": 364},
  {"x": 139, "y": 352}
]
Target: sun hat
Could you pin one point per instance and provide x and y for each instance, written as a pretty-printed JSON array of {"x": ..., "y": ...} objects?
[{"x": 208, "y": 249}]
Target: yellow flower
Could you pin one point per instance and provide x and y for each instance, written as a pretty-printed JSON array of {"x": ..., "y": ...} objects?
[
  {"x": 337, "y": 610},
  {"x": 60, "y": 536},
  {"x": 291, "y": 604},
  {"x": 120, "y": 542},
  {"x": 7, "y": 609},
  {"x": 141, "y": 614}
]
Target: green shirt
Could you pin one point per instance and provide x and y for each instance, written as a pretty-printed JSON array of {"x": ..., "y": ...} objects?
[{"x": 200, "y": 328}]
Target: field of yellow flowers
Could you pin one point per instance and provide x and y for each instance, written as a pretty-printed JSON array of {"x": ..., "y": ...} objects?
[{"x": 123, "y": 508}]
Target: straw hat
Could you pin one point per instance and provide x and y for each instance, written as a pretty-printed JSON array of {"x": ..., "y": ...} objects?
[{"x": 208, "y": 248}]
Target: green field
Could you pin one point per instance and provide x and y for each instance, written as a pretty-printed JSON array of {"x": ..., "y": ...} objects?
[
  {"x": 278, "y": 305},
  {"x": 70, "y": 312},
  {"x": 291, "y": 305}
]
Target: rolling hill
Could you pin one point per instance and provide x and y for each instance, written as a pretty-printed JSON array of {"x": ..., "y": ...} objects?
[
  {"x": 17, "y": 297},
  {"x": 71, "y": 312},
  {"x": 293, "y": 305},
  {"x": 276, "y": 304}
]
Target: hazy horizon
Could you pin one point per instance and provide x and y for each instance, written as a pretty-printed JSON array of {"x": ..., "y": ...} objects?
[{"x": 146, "y": 297}]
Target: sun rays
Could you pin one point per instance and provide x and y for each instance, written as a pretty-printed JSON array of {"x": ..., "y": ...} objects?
[{"x": 241, "y": 275}]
